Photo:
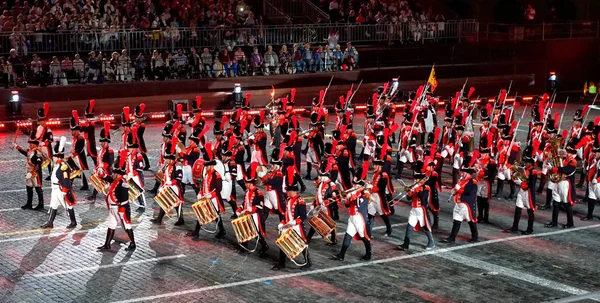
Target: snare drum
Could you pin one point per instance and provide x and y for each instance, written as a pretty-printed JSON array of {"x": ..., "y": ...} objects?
[
  {"x": 99, "y": 184},
  {"x": 205, "y": 211},
  {"x": 244, "y": 228},
  {"x": 75, "y": 170},
  {"x": 323, "y": 224},
  {"x": 134, "y": 190},
  {"x": 291, "y": 243},
  {"x": 167, "y": 199}
]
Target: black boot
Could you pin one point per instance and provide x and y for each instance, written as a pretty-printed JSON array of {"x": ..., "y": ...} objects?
[
  {"x": 84, "y": 182},
  {"x": 50, "y": 223},
  {"x": 196, "y": 233},
  {"x": 436, "y": 219},
  {"x": 73, "y": 223},
  {"x": 474, "y": 232},
  {"x": 332, "y": 238},
  {"x": 542, "y": 184},
  {"x": 590, "y": 212},
  {"x": 407, "y": 236},
  {"x": 233, "y": 208},
  {"x": 430, "y": 243},
  {"x": 28, "y": 204},
  {"x": 110, "y": 234},
  {"x": 248, "y": 153},
  {"x": 453, "y": 233},
  {"x": 40, "y": 195},
  {"x": 310, "y": 234},
  {"x": 479, "y": 209},
  {"x": 158, "y": 219},
  {"x": 512, "y": 190},
  {"x": 49, "y": 172},
  {"x": 242, "y": 185},
  {"x": 370, "y": 221},
  {"x": 486, "y": 212},
  {"x": 368, "y": 253},
  {"x": 146, "y": 161},
  {"x": 581, "y": 178},
  {"x": 569, "y": 216},
  {"x": 281, "y": 262},
  {"x": 530, "y": 219},
  {"x": 302, "y": 186},
  {"x": 93, "y": 196},
  {"x": 555, "y": 210},
  {"x": 516, "y": 219},
  {"x": 388, "y": 225},
  {"x": 308, "y": 171},
  {"x": 221, "y": 234},
  {"x": 132, "y": 245},
  {"x": 154, "y": 190},
  {"x": 340, "y": 256},
  {"x": 499, "y": 188},
  {"x": 548, "y": 204},
  {"x": 180, "y": 220},
  {"x": 400, "y": 169}
]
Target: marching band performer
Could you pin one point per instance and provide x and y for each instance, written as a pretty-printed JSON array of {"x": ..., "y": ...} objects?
[
  {"x": 62, "y": 191},
  {"x": 593, "y": 192},
  {"x": 274, "y": 196},
  {"x": 507, "y": 156},
  {"x": 381, "y": 186},
  {"x": 117, "y": 201},
  {"x": 106, "y": 159},
  {"x": 526, "y": 194},
  {"x": 254, "y": 205},
  {"x": 484, "y": 196},
  {"x": 218, "y": 132},
  {"x": 126, "y": 126},
  {"x": 350, "y": 136},
  {"x": 564, "y": 190},
  {"x": 368, "y": 135},
  {"x": 178, "y": 125},
  {"x": 140, "y": 126},
  {"x": 78, "y": 148},
  {"x": 211, "y": 189},
  {"x": 552, "y": 132},
  {"x": 166, "y": 135},
  {"x": 172, "y": 178},
  {"x": 345, "y": 162},
  {"x": 135, "y": 166},
  {"x": 190, "y": 155},
  {"x": 295, "y": 215},
  {"x": 46, "y": 139},
  {"x": 329, "y": 162},
  {"x": 289, "y": 157},
  {"x": 35, "y": 157},
  {"x": 259, "y": 141},
  {"x": 464, "y": 195},
  {"x": 418, "y": 218},
  {"x": 88, "y": 128},
  {"x": 314, "y": 146},
  {"x": 357, "y": 201},
  {"x": 326, "y": 199}
]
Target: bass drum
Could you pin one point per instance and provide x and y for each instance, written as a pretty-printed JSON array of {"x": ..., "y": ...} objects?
[{"x": 226, "y": 186}]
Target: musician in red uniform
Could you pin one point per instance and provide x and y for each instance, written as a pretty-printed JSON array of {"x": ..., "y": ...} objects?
[
  {"x": 464, "y": 195},
  {"x": 418, "y": 218},
  {"x": 231, "y": 173},
  {"x": 254, "y": 205},
  {"x": 325, "y": 199},
  {"x": 564, "y": 191},
  {"x": 484, "y": 196},
  {"x": 117, "y": 201},
  {"x": 314, "y": 148},
  {"x": 33, "y": 179},
  {"x": 357, "y": 201},
  {"x": 274, "y": 196},
  {"x": 526, "y": 194},
  {"x": 167, "y": 135},
  {"x": 135, "y": 166},
  {"x": 140, "y": 126},
  {"x": 172, "y": 178},
  {"x": 295, "y": 215},
  {"x": 46, "y": 138},
  {"x": 434, "y": 186},
  {"x": 106, "y": 158},
  {"x": 593, "y": 178},
  {"x": 259, "y": 141},
  {"x": 126, "y": 126},
  {"x": 380, "y": 187},
  {"x": 62, "y": 187},
  {"x": 88, "y": 128},
  {"x": 78, "y": 149},
  {"x": 211, "y": 189},
  {"x": 345, "y": 162},
  {"x": 329, "y": 162}
]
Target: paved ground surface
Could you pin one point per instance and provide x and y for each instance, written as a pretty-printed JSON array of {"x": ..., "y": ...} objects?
[{"x": 62, "y": 265}]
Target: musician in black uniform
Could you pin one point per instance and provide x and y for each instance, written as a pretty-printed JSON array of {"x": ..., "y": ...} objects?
[
  {"x": 78, "y": 149},
  {"x": 464, "y": 195},
  {"x": 33, "y": 179},
  {"x": 141, "y": 129},
  {"x": 106, "y": 159},
  {"x": 88, "y": 128},
  {"x": 273, "y": 181},
  {"x": 433, "y": 183},
  {"x": 46, "y": 139},
  {"x": 231, "y": 168},
  {"x": 526, "y": 194},
  {"x": 62, "y": 187},
  {"x": 329, "y": 162},
  {"x": 117, "y": 200}
]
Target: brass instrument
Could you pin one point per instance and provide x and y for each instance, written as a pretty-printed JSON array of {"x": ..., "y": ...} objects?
[
  {"x": 408, "y": 188},
  {"x": 555, "y": 160},
  {"x": 516, "y": 173}
]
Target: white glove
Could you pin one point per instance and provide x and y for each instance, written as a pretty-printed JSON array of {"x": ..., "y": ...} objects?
[
  {"x": 595, "y": 181},
  {"x": 100, "y": 170},
  {"x": 168, "y": 183},
  {"x": 280, "y": 226},
  {"x": 207, "y": 196},
  {"x": 129, "y": 176},
  {"x": 456, "y": 187}
]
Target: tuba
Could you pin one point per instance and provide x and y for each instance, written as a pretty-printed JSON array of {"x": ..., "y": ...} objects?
[
  {"x": 554, "y": 145},
  {"x": 516, "y": 173}
]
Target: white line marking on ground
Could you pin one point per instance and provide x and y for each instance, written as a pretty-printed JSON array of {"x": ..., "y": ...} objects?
[
  {"x": 519, "y": 275},
  {"x": 593, "y": 296},
  {"x": 351, "y": 266},
  {"x": 9, "y": 209},
  {"x": 98, "y": 267}
]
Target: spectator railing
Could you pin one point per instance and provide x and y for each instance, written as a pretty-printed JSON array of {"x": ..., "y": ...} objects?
[{"x": 414, "y": 32}]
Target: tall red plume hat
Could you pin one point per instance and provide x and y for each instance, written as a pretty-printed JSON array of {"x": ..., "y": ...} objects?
[
  {"x": 171, "y": 149},
  {"x": 74, "y": 123},
  {"x": 292, "y": 97},
  {"x": 259, "y": 119},
  {"x": 470, "y": 164},
  {"x": 120, "y": 166},
  {"x": 250, "y": 176},
  {"x": 105, "y": 132},
  {"x": 246, "y": 102},
  {"x": 197, "y": 104},
  {"x": 235, "y": 117},
  {"x": 291, "y": 140},
  {"x": 139, "y": 110},
  {"x": 340, "y": 105},
  {"x": 276, "y": 156},
  {"x": 89, "y": 109},
  {"x": 125, "y": 117},
  {"x": 43, "y": 112},
  {"x": 291, "y": 182},
  {"x": 361, "y": 174}
]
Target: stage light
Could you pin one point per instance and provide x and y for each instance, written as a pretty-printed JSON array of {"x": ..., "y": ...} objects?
[
  {"x": 15, "y": 96},
  {"x": 14, "y": 108},
  {"x": 552, "y": 82}
]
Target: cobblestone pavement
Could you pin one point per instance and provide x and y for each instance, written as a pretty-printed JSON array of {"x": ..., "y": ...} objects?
[{"x": 63, "y": 265}]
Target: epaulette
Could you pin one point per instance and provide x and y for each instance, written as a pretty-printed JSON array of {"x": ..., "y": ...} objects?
[
  {"x": 301, "y": 200},
  {"x": 64, "y": 167}
]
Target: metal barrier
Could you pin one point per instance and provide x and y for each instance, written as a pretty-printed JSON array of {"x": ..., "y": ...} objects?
[{"x": 415, "y": 32}]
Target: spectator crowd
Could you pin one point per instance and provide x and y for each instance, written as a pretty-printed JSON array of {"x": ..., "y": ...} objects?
[
  {"x": 378, "y": 12},
  {"x": 181, "y": 64}
]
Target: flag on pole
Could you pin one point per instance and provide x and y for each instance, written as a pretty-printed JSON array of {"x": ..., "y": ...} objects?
[
  {"x": 432, "y": 79},
  {"x": 585, "y": 89}
]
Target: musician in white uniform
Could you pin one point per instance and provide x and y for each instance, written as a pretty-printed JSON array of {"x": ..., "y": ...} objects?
[
  {"x": 593, "y": 175},
  {"x": 62, "y": 191},
  {"x": 418, "y": 218}
]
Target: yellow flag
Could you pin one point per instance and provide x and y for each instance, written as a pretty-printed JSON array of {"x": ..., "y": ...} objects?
[
  {"x": 585, "y": 89},
  {"x": 432, "y": 79}
]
